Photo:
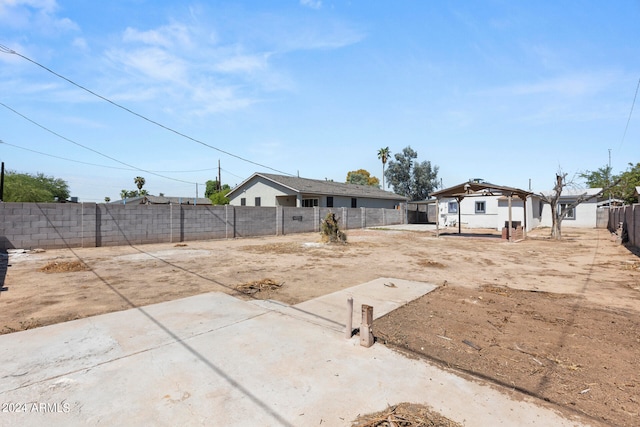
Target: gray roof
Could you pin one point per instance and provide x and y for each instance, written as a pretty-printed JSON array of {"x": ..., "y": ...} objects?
[
  {"x": 323, "y": 187},
  {"x": 162, "y": 200}
]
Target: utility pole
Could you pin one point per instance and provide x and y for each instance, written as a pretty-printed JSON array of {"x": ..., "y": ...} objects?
[{"x": 219, "y": 182}]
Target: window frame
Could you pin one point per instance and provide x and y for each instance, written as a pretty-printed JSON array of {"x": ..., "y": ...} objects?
[
  {"x": 571, "y": 215},
  {"x": 243, "y": 201},
  {"x": 310, "y": 203},
  {"x": 257, "y": 201},
  {"x": 354, "y": 202},
  {"x": 453, "y": 204},
  {"x": 329, "y": 201},
  {"x": 481, "y": 207}
]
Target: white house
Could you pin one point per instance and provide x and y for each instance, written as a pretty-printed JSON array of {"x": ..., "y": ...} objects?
[
  {"x": 485, "y": 205},
  {"x": 263, "y": 189},
  {"x": 583, "y": 215},
  {"x": 478, "y": 204}
]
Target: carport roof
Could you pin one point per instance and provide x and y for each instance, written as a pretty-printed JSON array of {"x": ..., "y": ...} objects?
[{"x": 473, "y": 188}]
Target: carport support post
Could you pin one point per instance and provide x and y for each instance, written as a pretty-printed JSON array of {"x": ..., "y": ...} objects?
[
  {"x": 459, "y": 200},
  {"x": 437, "y": 217},
  {"x": 524, "y": 229},
  {"x": 509, "y": 237},
  {"x": 349, "y": 329},
  {"x": 366, "y": 334}
]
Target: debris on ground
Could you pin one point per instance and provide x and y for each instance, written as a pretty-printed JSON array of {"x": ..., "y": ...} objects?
[
  {"x": 405, "y": 415},
  {"x": 64, "y": 267},
  {"x": 330, "y": 230},
  {"x": 251, "y": 288}
]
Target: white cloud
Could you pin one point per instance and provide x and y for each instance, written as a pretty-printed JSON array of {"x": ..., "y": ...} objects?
[
  {"x": 313, "y": 4},
  {"x": 243, "y": 63},
  {"x": 48, "y": 6},
  {"x": 80, "y": 43},
  {"x": 151, "y": 62},
  {"x": 168, "y": 36},
  {"x": 39, "y": 15}
]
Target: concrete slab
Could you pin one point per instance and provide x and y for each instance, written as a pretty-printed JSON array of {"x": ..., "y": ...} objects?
[
  {"x": 383, "y": 294},
  {"x": 214, "y": 360}
]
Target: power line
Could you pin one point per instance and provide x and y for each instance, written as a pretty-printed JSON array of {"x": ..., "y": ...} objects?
[
  {"x": 98, "y": 165},
  {"x": 91, "y": 149},
  {"x": 64, "y": 158},
  {"x": 5, "y": 49},
  {"x": 630, "y": 112}
]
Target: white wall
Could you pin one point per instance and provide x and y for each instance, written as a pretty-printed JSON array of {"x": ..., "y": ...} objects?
[
  {"x": 468, "y": 215},
  {"x": 586, "y": 215},
  {"x": 259, "y": 187}
]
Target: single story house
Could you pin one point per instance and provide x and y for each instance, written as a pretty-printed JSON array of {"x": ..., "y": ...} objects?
[
  {"x": 583, "y": 215},
  {"x": 163, "y": 200},
  {"x": 479, "y": 204},
  {"x": 485, "y": 205},
  {"x": 265, "y": 189}
]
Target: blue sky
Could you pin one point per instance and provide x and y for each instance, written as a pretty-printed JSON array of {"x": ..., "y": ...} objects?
[{"x": 500, "y": 90}]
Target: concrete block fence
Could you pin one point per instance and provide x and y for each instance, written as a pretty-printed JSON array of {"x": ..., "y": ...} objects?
[
  {"x": 62, "y": 225},
  {"x": 629, "y": 218}
]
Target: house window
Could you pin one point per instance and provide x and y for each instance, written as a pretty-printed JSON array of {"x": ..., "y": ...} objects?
[
  {"x": 480, "y": 207},
  {"x": 571, "y": 213},
  {"x": 243, "y": 202},
  {"x": 257, "y": 201},
  {"x": 453, "y": 207},
  {"x": 309, "y": 203},
  {"x": 354, "y": 202},
  {"x": 330, "y": 201}
]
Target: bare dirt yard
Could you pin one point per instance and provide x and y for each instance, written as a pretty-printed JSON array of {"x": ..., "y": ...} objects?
[{"x": 559, "y": 321}]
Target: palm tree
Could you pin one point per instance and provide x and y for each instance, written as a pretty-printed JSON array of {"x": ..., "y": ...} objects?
[
  {"x": 139, "y": 182},
  {"x": 124, "y": 194},
  {"x": 383, "y": 154}
]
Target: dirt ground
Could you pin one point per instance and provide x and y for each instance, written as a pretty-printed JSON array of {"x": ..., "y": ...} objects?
[{"x": 559, "y": 321}]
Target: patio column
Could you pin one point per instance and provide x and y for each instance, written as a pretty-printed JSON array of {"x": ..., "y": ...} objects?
[
  {"x": 509, "y": 236},
  {"x": 437, "y": 217},
  {"x": 524, "y": 228},
  {"x": 459, "y": 200}
]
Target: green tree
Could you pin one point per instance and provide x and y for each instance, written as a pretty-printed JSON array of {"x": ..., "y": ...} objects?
[
  {"x": 128, "y": 194},
  {"x": 24, "y": 187},
  {"x": 410, "y": 178},
  {"x": 107, "y": 199},
  {"x": 621, "y": 186},
  {"x": 628, "y": 181},
  {"x": 220, "y": 197},
  {"x": 139, "y": 181},
  {"x": 212, "y": 186},
  {"x": 362, "y": 177},
  {"x": 383, "y": 155},
  {"x": 600, "y": 178}
]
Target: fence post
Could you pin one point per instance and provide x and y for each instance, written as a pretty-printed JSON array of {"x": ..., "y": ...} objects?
[
  {"x": 344, "y": 219},
  {"x": 363, "y": 217},
  {"x": 366, "y": 333}
]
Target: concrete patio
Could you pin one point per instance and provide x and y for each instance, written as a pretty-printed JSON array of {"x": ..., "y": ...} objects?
[{"x": 213, "y": 359}]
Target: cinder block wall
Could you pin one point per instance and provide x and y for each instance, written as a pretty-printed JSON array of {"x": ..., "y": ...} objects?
[
  {"x": 52, "y": 225},
  {"x": 299, "y": 220},
  {"x": 629, "y": 217},
  {"x": 60, "y": 225}
]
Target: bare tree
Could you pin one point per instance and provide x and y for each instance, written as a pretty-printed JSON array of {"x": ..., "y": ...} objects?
[{"x": 560, "y": 211}]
